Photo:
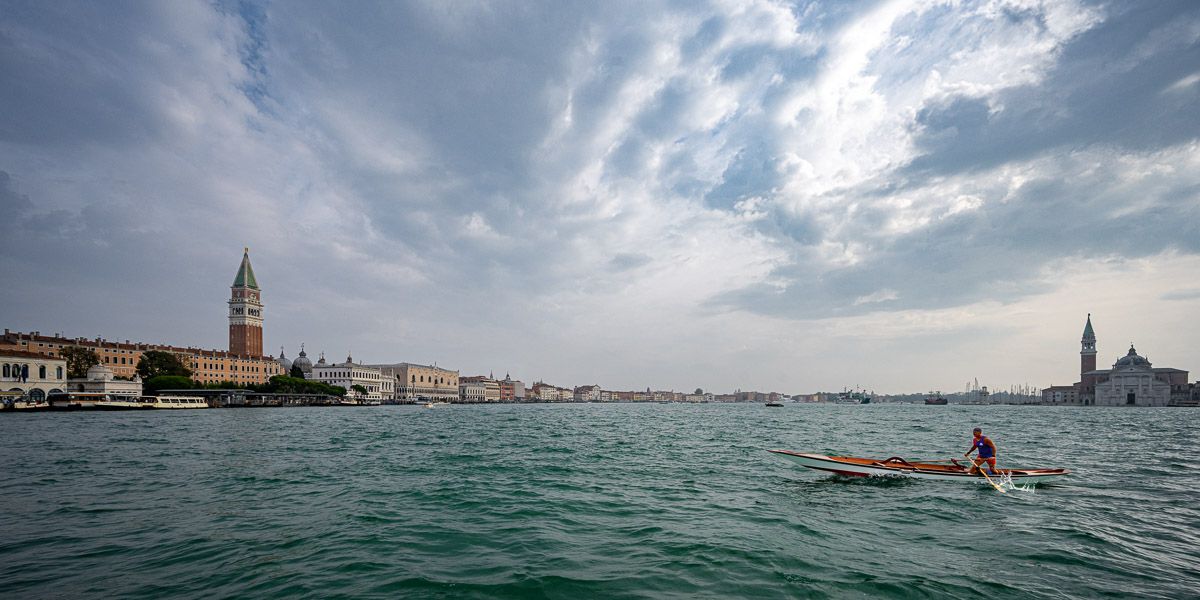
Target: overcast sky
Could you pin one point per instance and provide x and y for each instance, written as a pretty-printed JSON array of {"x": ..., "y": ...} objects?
[{"x": 748, "y": 194}]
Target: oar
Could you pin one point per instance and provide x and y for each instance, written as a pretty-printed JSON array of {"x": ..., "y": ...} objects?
[{"x": 983, "y": 472}]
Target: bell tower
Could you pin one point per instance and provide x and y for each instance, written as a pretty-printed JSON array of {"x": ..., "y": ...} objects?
[
  {"x": 245, "y": 312},
  {"x": 1087, "y": 353},
  {"x": 1087, "y": 364}
]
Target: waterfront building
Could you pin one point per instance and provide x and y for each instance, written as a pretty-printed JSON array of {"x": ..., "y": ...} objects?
[
  {"x": 101, "y": 380},
  {"x": 471, "y": 389},
  {"x": 490, "y": 389},
  {"x": 1059, "y": 395},
  {"x": 491, "y": 392},
  {"x": 511, "y": 390},
  {"x": 31, "y": 374},
  {"x": 586, "y": 393},
  {"x": 245, "y": 312},
  {"x": 545, "y": 392},
  {"x": 215, "y": 366},
  {"x": 349, "y": 374},
  {"x": 414, "y": 382},
  {"x": 208, "y": 366},
  {"x": 1132, "y": 381}
]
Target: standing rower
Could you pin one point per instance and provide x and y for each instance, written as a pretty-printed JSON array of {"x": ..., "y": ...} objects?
[{"x": 987, "y": 452}]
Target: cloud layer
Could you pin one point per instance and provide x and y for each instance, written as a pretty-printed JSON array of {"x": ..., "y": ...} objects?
[{"x": 725, "y": 195}]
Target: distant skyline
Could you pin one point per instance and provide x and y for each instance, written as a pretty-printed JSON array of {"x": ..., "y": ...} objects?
[{"x": 796, "y": 197}]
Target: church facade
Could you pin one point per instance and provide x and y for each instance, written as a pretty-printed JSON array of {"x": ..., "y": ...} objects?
[{"x": 1132, "y": 381}]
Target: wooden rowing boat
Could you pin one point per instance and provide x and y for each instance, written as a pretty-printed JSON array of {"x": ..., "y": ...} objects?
[{"x": 899, "y": 467}]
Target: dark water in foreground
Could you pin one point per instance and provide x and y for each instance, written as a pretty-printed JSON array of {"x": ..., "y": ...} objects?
[{"x": 622, "y": 501}]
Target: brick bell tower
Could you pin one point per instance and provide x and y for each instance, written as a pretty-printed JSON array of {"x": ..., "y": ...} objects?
[
  {"x": 1087, "y": 355},
  {"x": 245, "y": 312}
]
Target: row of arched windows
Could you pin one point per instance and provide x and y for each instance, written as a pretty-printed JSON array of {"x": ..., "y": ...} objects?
[
  {"x": 439, "y": 380},
  {"x": 18, "y": 371}
]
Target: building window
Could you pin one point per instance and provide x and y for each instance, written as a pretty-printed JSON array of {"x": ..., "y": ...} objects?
[
  {"x": 42, "y": 372},
  {"x": 60, "y": 373},
  {"x": 7, "y": 371}
]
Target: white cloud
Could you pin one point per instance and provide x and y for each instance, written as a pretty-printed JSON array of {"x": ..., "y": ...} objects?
[{"x": 880, "y": 296}]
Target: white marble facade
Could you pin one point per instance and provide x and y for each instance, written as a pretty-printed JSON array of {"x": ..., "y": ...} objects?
[{"x": 1133, "y": 382}]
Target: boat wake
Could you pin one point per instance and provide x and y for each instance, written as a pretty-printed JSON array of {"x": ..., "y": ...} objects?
[{"x": 1006, "y": 482}]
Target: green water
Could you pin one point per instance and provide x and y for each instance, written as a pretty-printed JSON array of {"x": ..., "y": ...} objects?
[{"x": 580, "y": 501}]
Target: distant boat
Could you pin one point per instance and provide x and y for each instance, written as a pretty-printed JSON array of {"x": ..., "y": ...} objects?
[
  {"x": 436, "y": 404},
  {"x": 936, "y": 400},
  {"x": 123, "y": 404},
  {"x": 24, "y": 404},
  {"x": 178, "y": 402},
  {"x": 848, "y": 397},
  {"x": 774, "y": 404}
]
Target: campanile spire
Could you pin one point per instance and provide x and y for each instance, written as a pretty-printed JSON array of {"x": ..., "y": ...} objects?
[
  {"x": 245, "y": 311},
  {"x": 1087, "y": 352}
]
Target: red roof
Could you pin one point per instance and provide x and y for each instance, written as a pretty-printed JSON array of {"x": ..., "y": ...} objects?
[{"x": 24, "y": 354}]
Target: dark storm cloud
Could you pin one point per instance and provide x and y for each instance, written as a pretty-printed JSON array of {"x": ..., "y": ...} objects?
[{"x": 1111, "y": 85}]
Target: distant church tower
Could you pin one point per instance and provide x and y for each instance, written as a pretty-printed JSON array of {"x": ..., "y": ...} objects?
[
  {"x": 1087, "y": 354},
  {"x": 245, "y": 312},
  {"x": 1087, "y": 363}
]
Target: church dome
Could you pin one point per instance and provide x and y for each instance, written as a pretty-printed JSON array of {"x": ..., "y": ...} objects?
[
  {"x": 1132, "y": 360},
  {"x": 284, "y": 362},
  {"x": 303, "y": 362},
  {"x": 99, "y": 372}
]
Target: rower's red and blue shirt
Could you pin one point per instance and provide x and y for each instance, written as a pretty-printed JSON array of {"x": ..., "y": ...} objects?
[{"x": 985, "y": 449}]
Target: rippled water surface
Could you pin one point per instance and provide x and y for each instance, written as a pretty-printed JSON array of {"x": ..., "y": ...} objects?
[{"x": 621, "y": 501}]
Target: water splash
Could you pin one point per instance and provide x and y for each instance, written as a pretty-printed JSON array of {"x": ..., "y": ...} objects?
[{"x": 1005, "y": 481}]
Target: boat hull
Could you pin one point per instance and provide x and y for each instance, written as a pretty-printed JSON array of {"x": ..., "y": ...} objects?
[
  {"x": 866, "y": 467},
  {"x": 122, "y": 405}
]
